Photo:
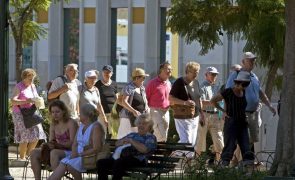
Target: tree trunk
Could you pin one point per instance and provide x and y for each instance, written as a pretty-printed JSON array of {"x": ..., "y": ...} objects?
[
  {"x": 285, "y": 153},
  {"x": 18, "y": 59},
  {"x": 271, "y": 75}
]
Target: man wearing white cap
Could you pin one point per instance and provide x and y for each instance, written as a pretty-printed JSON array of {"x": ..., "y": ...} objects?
[
  {"x": 212, "y": 121},
  {"x": 253, "y": 93},
  {"x": 66, "y": 89}
]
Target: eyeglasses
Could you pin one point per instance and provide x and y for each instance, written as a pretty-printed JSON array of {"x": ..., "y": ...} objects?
[
  {"x": 142, "y": 77},
  {"x": 194, "y": 72},
  {"x": 242, "y": 83},
  {"x": 213, "y": 74},
  {"x": 168, "y": 69}
]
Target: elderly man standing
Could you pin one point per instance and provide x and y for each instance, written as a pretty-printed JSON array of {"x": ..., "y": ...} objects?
[
  {"x": 66, "y": 89},
  {"x": 212, "y": 121},
  {"x": 253, "y": 93},
  {"x": 157, "y": 92}
]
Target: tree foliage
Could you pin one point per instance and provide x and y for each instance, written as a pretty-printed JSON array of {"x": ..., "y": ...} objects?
[
  {"x": 22, "y": 16},
  {"x": 24, "y": 28},
  {"x": 260, "y": 23}
]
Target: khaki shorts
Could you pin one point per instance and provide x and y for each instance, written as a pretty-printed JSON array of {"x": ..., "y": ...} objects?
[
  {"x": 215, "y": 126},
  {"x": 253, "y": 126}
]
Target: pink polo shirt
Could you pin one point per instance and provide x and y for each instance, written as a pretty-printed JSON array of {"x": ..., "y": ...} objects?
[{"x": 157, "y": 92}]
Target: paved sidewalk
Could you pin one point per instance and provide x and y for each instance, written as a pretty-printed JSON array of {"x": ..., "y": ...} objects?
[{"x": 16, "y": 168}]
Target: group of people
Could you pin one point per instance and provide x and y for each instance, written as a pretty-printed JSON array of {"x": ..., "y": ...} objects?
[{"x": 81, "y": 115}]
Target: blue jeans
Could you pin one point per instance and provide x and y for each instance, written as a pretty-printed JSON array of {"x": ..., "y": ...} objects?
[{"x": 235, "y": 132}]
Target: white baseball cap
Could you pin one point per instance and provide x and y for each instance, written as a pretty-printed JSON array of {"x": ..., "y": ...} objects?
[
  {"x": 90, "y": 73},
  {"x": 249, "y": 55},
  {"x": 212, "y": 69}
]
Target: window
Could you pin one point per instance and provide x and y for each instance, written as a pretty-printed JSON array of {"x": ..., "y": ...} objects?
[
  {"x": 119, "y": 47},
  {"x": 71, "y": 35}
]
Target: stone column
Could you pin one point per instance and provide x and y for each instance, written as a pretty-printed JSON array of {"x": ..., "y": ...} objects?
[
  {"x": 102, "y": 33},
  {"x": 55, "y": 40},
  {"x": 152, "y": 37}
]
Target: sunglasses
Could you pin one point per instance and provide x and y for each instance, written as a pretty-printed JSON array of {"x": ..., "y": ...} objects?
[
  {"x": 142, "y": 77},
  {"x": 242, "y": 83}
]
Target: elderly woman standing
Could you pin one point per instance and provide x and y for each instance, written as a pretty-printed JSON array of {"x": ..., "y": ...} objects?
[
  {"x": 186, "y": 92},
  {"x": 90, "y": 94},
  {"x": 89, "y": 141},
  {"x": 23, "y": 95},
  {"x": 134, "y": 102},
  {"x": 142, "y": 143}
]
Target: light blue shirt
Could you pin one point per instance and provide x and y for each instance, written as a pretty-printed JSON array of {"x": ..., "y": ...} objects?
[
  {"x": 252, "y": 91},
  {"x": 208, "y": 91}
]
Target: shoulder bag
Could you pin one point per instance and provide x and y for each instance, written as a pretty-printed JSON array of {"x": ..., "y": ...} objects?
[
  {"x": 183, "y": 111},
  {"x": 31, "y": 115},
  {"x": 89, "y": 162}
]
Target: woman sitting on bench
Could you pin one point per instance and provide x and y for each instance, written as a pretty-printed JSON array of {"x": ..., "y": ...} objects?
[
  {"x": 131, "y": 151},
  {"x": 89, "y": 140},
  {"x": 61, "y": 136}
]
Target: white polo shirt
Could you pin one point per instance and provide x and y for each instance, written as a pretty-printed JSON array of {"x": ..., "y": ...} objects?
[{"x": 71, "y": 97}]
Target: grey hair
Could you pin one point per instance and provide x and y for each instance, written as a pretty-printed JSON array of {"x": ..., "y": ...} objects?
[
  {"x": 146, "y": 118},
  {"x": 89, "y": 111},
  {"x": 75, "y": 66}
]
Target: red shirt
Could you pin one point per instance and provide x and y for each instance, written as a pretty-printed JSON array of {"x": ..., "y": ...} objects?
[{"x": 157, "y": 92}]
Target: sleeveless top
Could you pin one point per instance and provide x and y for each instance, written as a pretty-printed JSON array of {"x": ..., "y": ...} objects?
[
  {"x": 62, "y": 138},
  {"x": 83, "y": 139},
  {"x": 24, "y": 94}
]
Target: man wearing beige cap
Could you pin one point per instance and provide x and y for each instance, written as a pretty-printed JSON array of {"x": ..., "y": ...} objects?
[
  {"x": 212, "y": 121},
  {"x": 134, "y": 103},
  {"x": 253, "y": 94},
  {"x": 67, "y": 91}
]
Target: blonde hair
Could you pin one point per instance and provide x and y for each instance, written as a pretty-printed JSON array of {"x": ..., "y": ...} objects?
[
  {"x": 146, "y": 118},
  {"x": 192, "y": 66},
  {"x": 28, "y": 72},
  {"x": 89, "y": 111},
  {"x": 72, "y": 65}
]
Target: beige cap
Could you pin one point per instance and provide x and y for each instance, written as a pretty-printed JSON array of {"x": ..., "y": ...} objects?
[{"x": 139, "y": 72}]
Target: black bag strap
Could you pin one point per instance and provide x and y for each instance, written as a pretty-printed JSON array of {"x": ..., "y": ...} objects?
[{"x": 185, "y": 88}]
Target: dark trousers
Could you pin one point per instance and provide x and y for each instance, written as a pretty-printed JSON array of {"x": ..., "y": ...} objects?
[
  {"x": 236, "y": 132},
  {"x": 117, "y": 167}
]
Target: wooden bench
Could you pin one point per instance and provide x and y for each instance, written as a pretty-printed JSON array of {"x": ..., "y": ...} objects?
[{"x": 161, "y": 162}]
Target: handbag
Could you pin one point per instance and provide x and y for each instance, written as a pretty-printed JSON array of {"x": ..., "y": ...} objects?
[
  {"x": 181, "y": 111},
  {"x": 45, "y": 151},
  {"x": 89, "y": 162},
  {"x": 45, "y": 154},
  {"x": 31, "y": 116}
]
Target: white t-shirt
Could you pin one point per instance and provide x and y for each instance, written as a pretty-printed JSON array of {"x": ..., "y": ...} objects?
[{"x": 71, "y": 97}]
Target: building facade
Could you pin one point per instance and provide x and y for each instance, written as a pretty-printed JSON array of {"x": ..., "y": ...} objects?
[{"x": 125, "y": 34}]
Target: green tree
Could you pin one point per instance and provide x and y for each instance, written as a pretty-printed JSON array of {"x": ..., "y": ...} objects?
[
  {"x": 259, "y": 22},
  {"x": 283, "y": 164},
  {"x": 24, "y": 28}
]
